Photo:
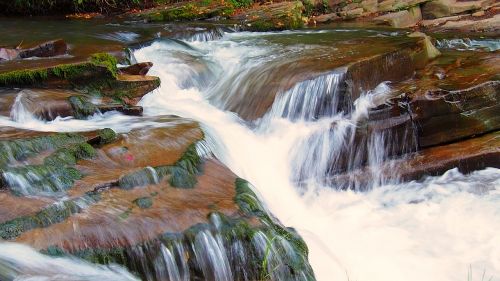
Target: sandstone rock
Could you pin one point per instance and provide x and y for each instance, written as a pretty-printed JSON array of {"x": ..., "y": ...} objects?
[
  {"x": 467, "y": 155},
  {"x": 445, "y": 8},
  {"x": 484, "y": 25},
  {"x": 139, "y": 206},
  {"x": 446, "y": 116},
  {"x": 351, "y": 14},
  {"x": 369, "y": 6},
  {"x": 47, "y": 49},
  {"x": 478, "y": 14},
  {"x": 436, "y": 22},
  {"x": 398, "y": 5},
  {"x": 401, "y": 19},
  {"x": 326, "y": 18},
  {"x": 137, "y": 69}
]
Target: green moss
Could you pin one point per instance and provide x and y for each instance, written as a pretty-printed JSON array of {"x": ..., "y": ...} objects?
[
  {"x": 34, "y": 179},
  {"x": 181, "y": 175},
  {"x": 56, "y": 174},
  {"x": 107, "y": 135},
  {"x": 262, "y": 25},
  {"x": 106, "y": 60},
  {"x": 250, "y": 205},
  {"x": 82, "y": 108},
  {"x": 183, "y": 13},
  {"x": 21, "y": 149},
  {"x": 144, "y": 202},
  {"x": 241, "y": 3},
  {"x": 102, "y": 66}
]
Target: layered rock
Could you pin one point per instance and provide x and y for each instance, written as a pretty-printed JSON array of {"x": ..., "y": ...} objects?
[
  {"x": 47, "y": 49},
  {"x": 157, "y": 203}
]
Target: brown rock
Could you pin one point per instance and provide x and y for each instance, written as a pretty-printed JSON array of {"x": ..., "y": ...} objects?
[
  {"x": 47, "y": 49},
  {"x": 141, "y": 68},
  {"x": 401, "y": 19}
]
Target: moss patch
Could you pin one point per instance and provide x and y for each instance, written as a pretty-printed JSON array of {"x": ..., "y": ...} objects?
[
  {"x": 181, "y": 175},
  {"x": 101, "y": 67},
  {"x": 144, "y": 202},
  {"x": 82, "y": 108},
  {"x": 55, "y": 213}
]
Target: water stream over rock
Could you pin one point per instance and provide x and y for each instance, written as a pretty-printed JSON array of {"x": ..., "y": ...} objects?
[{"x": 279, "y": 110}]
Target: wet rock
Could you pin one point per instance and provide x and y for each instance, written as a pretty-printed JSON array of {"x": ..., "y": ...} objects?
[
  {"x": 8, "y": 54},
  {"x": 467, "y": 156},
  {"x": 98, "y": 76},
  {"x": 401, "y": 19},
  {"x": 144, "y": 202},
  {"x": 47, "y": 49},
  {"x": 82, "y": 108},
  {"x": 446, "y": 116},
  {"x": 100, "y": 67},
  {"x": 125, "y": 225},
  {"x": 127, "y": 110},
  {"x": 137, "y": 69}
]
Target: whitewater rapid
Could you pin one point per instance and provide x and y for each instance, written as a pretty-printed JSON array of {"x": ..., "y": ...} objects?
[
  {"x": 444, "y": 228},
  {"x": 440, "y": 229}
]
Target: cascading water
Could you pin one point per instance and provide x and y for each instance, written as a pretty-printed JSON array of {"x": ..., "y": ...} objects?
[
  {"x": 394, "y": 231},
  {"x": 354, "y": 236}
]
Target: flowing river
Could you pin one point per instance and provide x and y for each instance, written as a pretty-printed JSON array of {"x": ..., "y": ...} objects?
[{"x": 441, "y": 228}]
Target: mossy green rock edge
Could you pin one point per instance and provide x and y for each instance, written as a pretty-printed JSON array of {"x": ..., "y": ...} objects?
[{"x": 183, "y": 175}]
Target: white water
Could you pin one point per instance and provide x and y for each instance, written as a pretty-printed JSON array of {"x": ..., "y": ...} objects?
[
  {"x": 442, "y": 229},
  {"x": 21, "y": 263}
]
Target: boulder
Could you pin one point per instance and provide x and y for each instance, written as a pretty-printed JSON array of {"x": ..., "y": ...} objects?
[
  {"x": 326, "y": 18},
  {"x": 351, "y": 14},
  {"x": 47, "y": 49},
  {"x": 141, "y": 68},
  {"x": 445, "y": 8},
  {"x": 401, "y": 19}
]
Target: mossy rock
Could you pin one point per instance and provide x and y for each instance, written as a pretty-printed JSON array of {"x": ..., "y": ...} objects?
[
  {"x": 99, "y": 67},
  {"x": 82, "y": 108},
  {"x": 144, "y": 202}
]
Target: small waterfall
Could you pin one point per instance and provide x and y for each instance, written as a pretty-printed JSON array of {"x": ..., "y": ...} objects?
[
  {"x": 207, "y": 35},
  {"x": 20, "y": 109},
  {"x": 19, "y": 262},
  {"x": 310, "y": 99}
]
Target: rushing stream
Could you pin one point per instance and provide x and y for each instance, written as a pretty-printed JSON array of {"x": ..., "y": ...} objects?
[{"x": 442, "y": 228}]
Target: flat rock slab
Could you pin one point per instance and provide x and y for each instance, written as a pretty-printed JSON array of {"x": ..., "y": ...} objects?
[
  {"x": 468, "y": 155},
  {"x": 401, "y": 19}
]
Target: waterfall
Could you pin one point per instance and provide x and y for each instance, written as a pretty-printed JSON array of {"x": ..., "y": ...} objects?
[
  {"x": 19, "y": 262},
  {"x": 388, "y": 230},
  {"x": 381, "y": 234},
  {"x": 20, "y": 112}
]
